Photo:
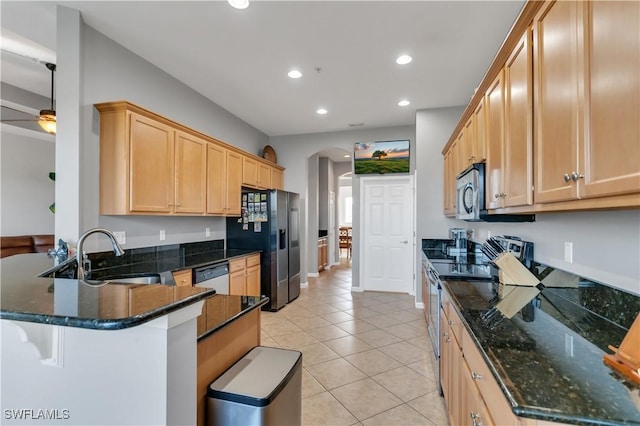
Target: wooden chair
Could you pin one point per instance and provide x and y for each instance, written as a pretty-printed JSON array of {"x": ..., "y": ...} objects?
[{"x": 345, "y": 239}]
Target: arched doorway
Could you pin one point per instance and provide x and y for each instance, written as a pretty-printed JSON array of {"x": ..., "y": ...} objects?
[{"x": 329, "y": 176}]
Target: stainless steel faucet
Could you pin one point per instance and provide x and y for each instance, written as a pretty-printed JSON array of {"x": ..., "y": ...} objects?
[{"x": 80, "y": 256}]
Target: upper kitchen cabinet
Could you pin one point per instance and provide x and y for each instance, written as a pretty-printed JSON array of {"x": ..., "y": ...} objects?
[
  {"x": 249, "y": 172},
  {"x": 494, "y": 172},
  {"x": 449, "y": 184},
  {"x": 587, "y": 133},
  {"x": 508, "y": 129},
  {"x": 478, "y": 142},
  {"x": 508, "y": 104},
  {"x": 146, "y": 166},
  {"x": 224, "y": 181},
  {"x": 277, "y": 178},
  {"x": 260, "y": 174},
  {"x": 517, "y": 158},
  {"x": 190, "y": 174},
  {"x": 154, "y": 166}
]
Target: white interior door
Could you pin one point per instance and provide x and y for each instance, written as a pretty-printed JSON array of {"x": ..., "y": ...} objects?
[{"x": 387, "y": 234}]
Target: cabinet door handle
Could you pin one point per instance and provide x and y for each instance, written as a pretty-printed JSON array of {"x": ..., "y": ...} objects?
[
  {"x": 475, "y": 419},
  {"x": 451, "y": 322},
  {"x": 576, "y": 176},
  {"x": 475, "y": 376},
  {"x": 567, "y": 177},
  {"x": 496, "y": 196}
]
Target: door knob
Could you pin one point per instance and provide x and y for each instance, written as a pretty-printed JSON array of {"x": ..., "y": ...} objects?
[{"x": 576, "y": 176}]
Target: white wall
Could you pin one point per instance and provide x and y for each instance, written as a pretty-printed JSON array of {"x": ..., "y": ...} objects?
[
  {"x": 110, "y": 72},
  {"x": 606, "y": 243},
  {"x": 433, "y": 128},
  {"x": 26, "y": 192},
  {"x": 294, "y": 149}
]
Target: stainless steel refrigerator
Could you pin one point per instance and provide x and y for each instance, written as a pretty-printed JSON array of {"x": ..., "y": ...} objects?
[{"x": 270, "y": 222}]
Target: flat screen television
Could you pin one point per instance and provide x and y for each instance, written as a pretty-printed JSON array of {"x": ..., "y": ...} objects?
[{"x": 381, "y": 157}]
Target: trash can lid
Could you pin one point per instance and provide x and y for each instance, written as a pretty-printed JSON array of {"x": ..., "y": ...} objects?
[{"x": 258, "y": 377}]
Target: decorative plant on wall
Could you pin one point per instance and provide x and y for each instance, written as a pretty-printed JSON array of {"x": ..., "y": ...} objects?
[{"x": 52, "y": 207}]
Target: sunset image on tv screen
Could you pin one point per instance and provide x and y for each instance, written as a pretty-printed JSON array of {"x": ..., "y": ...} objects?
[{"x": 381, "y": 157}]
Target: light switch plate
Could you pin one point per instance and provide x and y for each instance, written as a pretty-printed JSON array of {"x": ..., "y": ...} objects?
[
  {"x": 207, "y": 232},
  {"x": 163, "y": 236},
  {"x": 568, "y": 252},
  {"x": 121, "y": 237}
]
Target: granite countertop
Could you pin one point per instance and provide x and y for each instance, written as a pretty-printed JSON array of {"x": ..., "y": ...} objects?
[
  {"x": 75, "y": 303},
  {"x": 161, "y": 260},
  {"x": 223, "y": 309},
  {"x": 551, "y": 368}
]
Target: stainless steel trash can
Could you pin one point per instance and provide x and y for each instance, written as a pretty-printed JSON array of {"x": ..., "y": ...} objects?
[{"x": 262, "y": 388}]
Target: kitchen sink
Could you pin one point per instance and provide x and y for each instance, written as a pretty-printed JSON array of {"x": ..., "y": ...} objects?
[
  {"x": 143, "y": 278},
  {"x": 67, "y": 269}
]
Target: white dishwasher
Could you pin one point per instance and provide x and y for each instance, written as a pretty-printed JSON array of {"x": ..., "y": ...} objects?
[{"x": 215, "y": 276}]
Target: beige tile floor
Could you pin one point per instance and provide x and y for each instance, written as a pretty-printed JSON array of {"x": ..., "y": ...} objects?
[{"x": 366, "y": 356}]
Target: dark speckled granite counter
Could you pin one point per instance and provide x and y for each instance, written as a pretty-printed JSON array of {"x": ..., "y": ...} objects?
[
  {"x": 73, "y": 303},
  {"x": 551, "y": 368},
  {"x": 223, "y": 309}
]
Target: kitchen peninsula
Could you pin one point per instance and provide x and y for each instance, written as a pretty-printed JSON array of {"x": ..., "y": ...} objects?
[{"x": 75, "y": 352}]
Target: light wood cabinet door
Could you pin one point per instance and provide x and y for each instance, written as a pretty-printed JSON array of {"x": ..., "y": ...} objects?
[
  {"x": 224, "y": 176},
  {"x": 277, "y": 178},
  {"x": 518, "y": 161},
  {"x": 183, "y": 277},
  {"x": 556, "y": 100},
  {"x": 469, "y": 155},
  {"x": 495, "y": 136},
  {"x": 460, "y": 151},
  {"x": 587, "y": 135},
  {"x": 449, "y": 184},
  {"x": 479, "y": 119},
  {"x": 190, "y": 174},
  {"x": 264, "y": 176},
  {"x": 216, "y": 179},
  {"x": 249, "y": 172},
  {"x": 238, "y": 283},
  {"x": 151, "y": 157},
  {"x": 253, "y": 280},
  {"x": 234, "y": 183},
  {"x": 611, "y": 160},
  {"x": 144, "y": 298},
  {"x": 474, "y": 411}
]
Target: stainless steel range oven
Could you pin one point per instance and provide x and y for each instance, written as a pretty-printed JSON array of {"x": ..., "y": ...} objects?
[{"x": 434, "y": 287}]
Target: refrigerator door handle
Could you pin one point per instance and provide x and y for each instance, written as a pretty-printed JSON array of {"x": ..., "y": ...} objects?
[{"x": 283, "y": 239}]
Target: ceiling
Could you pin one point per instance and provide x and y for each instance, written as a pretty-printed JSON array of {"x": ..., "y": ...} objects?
[{"x": 239, "y": 59}]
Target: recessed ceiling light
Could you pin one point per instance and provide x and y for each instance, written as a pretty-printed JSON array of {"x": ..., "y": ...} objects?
[
  {"x": 403, "y": 102},
  {"x": 347, "y": 156},
  {"x": 321, "y": 111},
  {"x": 403, "y": 59},
  {"x": 239, "y": 4},
  {"x": 294, "y": 74}
]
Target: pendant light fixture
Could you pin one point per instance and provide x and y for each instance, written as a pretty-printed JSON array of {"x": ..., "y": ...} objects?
[
  {"x": 48, "y": 116},
  {"x": 239, "y": 4}
]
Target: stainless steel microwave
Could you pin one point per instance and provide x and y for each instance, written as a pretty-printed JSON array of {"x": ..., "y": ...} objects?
[{"x": 470, "y": 198}]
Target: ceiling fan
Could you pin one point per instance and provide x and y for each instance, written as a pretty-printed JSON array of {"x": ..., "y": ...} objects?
[{"x": 47, "y": 117}]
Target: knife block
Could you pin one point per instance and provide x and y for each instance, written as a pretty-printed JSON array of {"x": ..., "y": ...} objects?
[
  {"x": 626, "y": 359},
  {"x": 517, "y": 285}
]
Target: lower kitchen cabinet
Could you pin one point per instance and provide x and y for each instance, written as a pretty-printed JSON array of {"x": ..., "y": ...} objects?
[
  {"x": 472, "y": 395},
  {"x": 322, "y": 253},
  {"x": 244, "y": 276},
  {"x": 183, "y": 277}
]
